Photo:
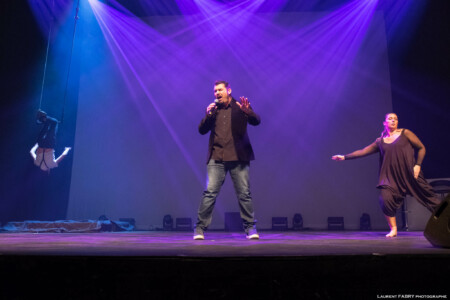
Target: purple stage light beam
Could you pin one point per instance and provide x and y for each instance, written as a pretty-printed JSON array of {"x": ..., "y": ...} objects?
[
  {"x": 132, "y": 41},
  {"x": 50, "y": 13}
]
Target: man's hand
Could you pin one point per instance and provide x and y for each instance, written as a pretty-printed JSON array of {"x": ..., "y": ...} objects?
[
  {"x": 244, "y": 105},
  {"x": 210, "y": 109},
  {"x": 416, "y": 171}
]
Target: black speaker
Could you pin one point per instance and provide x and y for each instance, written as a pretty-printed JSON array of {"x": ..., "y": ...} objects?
[
  {"x": 279, "y": 223},
  {"x": 183, "y": 224},
  {"x": 297, "y": 222},
  {"x": 364, "y": 222},
  {"x": 167, "y": 223},
  {"x": 335, "y": 223},
  {"x": 437, "y": 231}
]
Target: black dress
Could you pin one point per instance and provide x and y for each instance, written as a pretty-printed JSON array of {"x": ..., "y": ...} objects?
[{"x": 396, "y": 174}]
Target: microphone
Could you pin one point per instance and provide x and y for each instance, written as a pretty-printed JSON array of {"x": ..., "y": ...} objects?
[{"x": 213, "y": 110}]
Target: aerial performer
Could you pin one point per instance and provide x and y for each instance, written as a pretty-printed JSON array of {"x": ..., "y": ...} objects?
[{"x": 43, "y": 152}]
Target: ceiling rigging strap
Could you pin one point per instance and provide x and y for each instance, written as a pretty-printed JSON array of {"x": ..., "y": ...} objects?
[
  {"x": 46, "y": 55},
  {"x": 70, "y": 60}
]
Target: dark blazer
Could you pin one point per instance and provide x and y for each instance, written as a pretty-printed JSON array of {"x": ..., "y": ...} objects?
[{"x": 239, "y": 121}]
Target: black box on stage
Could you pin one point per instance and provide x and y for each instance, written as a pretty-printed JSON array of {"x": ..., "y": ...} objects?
[
  {"x": 279, "y": 223},
  {"x": 364, "y": 222},
  {"x": 233, "y": 221},
  {"x": 167, "y": 223},
  {"x": 335, "y": 223},
  {"x": 183, "y": 224},
  {"x": 437, "y": 231},
  {"x": 297, "y": 222}
]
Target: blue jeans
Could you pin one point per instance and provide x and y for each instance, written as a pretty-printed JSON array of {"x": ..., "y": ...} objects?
[{"x": 239, "y": 172}]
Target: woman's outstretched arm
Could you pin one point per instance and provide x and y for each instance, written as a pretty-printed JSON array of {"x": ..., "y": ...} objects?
[{"x": 371, "y": 149}]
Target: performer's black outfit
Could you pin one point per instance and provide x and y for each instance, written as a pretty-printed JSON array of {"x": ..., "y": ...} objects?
[
  {"x": 47, "y": 135},
  {"x": 396, "y": 175}
]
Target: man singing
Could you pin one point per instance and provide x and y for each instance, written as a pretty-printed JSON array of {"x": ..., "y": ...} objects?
[{"x": 229, "y": 150}]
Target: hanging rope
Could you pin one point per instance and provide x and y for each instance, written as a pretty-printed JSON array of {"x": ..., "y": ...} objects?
[
  {"x": 46, "y": 55},
  {"x": 70, "y": 60}
]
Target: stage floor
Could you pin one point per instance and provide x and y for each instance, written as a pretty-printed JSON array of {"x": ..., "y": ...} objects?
[
  {"x": 171, "y": 265},
  {"x": 216, "y": 244}
]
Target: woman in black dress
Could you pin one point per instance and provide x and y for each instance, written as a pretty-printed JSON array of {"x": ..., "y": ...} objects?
[{"x": 400, "y": 171}]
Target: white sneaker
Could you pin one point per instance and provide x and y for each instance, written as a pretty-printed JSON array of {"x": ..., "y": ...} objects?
[
  {"x": 252, "y": 234},
  {"x": 199, "y": 237},
  {"x": 198, "y": 234}
]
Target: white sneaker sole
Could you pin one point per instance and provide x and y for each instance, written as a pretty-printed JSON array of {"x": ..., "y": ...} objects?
[
  {"x": 253, "y": 237},
  {"x": 199, "y": 237}
]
